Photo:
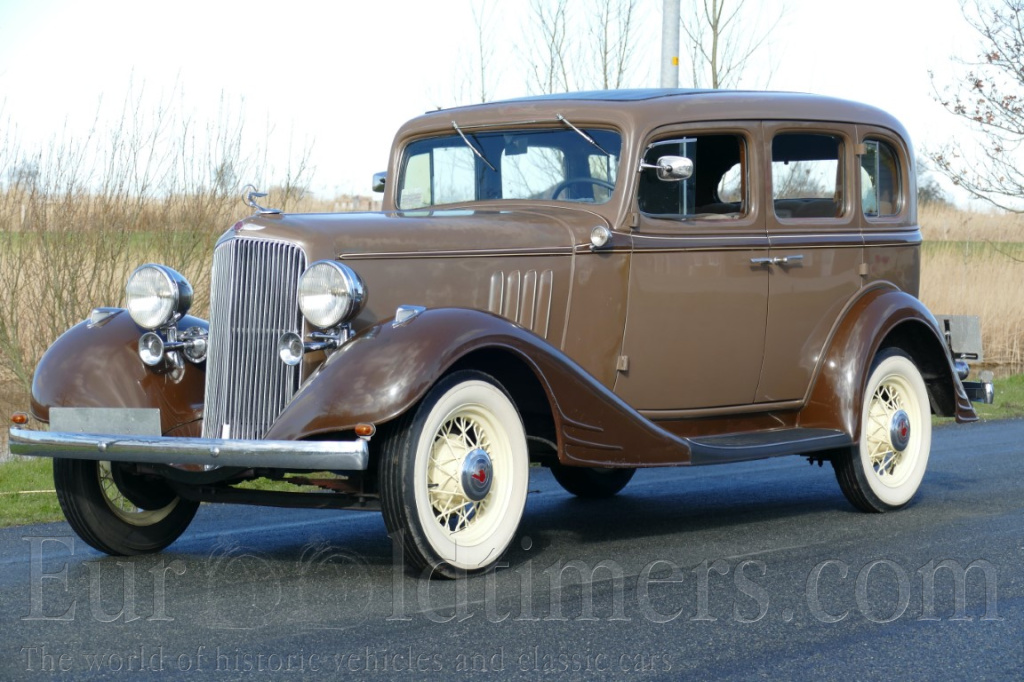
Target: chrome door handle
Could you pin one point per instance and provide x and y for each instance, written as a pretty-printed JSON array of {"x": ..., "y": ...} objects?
[{"x": 778, "y": 260}]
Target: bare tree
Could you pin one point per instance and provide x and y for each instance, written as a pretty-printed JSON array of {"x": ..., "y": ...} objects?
[
  {"x": 600, "y": 56},
  {"x": 478, "y": 74},
  {"x": 611, "y": 26},
  {"x": 549, "y": 57},
  {"x": 722, "y": 38},
  {"x": 988, "y": 96}
]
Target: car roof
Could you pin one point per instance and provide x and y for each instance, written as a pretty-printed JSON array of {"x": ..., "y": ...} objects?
[{"x": 641, "y": 108}]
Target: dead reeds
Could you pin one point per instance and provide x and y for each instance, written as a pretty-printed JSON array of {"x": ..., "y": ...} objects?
[{"x": 973, "y": 264}]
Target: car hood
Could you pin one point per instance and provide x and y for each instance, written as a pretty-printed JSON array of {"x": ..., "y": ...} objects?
[{"x": 444, "y": 232}]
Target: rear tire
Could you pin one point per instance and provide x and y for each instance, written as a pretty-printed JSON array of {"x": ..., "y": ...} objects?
[
  {"x": 591, "y": 482},
  {"x": 884, "y": 470},
  {"x": 101, "y": 502}
]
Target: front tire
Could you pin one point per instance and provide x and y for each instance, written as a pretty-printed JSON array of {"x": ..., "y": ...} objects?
[
  {"x": 118, "y": 512},
  {"x": 453, "y": 476},
  {"x": 884, "y": 471}
]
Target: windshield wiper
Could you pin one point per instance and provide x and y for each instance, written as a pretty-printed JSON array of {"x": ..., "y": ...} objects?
[
  {"x": 582, "y": 134},
  {"x": 469, "y": 144}
]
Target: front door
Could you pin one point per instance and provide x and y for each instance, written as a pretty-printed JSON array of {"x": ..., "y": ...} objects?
[{"x": 698, "y": 292}]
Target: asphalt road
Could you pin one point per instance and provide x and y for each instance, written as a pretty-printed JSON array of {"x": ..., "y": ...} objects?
[{"x": 758, "y": 570}]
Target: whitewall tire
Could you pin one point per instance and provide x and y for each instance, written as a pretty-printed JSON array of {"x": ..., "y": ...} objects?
[
  {"x": 454, "y": 475},
  {"x": 884, "y": 470}
]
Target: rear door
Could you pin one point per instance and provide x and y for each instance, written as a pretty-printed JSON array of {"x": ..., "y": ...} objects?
[{"x": 816, "y": 248}]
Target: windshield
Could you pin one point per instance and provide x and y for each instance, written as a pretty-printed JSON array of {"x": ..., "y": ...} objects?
[{"x": 475, "y": 165}]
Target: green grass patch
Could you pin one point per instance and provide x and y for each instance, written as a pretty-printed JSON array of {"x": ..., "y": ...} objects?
[{"x": 26, "y": 492}]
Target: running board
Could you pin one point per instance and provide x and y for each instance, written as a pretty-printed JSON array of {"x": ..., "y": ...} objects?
[{"x": 741, "y": 447}]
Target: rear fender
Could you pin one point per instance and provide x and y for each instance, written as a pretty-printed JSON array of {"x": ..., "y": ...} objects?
[
  {"x": 388, "y": 368},
  {"x": 882, "y": 317},
  {"x": 99, "y": 366}
]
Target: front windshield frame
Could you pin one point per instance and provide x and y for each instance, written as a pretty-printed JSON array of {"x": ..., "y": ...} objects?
[{"x": 491, "y": 163}]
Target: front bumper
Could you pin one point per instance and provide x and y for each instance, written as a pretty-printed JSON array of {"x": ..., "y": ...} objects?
[{"x": 272, "y": 454}]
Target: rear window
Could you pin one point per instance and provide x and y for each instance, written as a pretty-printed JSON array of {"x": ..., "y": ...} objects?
[{"x": 880, "y": 189}]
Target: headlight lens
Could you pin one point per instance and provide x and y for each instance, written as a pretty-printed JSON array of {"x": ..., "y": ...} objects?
[
  {"x": 157, "y": 296},
  {"x": 330, "y": 293}
]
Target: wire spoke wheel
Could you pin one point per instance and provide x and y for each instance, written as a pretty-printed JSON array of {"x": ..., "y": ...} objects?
[
  {"x": 886, "y": 412},
  {"x": 122, "y": 507},
  {"x": 884, "y": 471},
  {"x": 454, "y": 475},
  {"x": 117, "y": 511},
  {"x": 464, "y": 432}
]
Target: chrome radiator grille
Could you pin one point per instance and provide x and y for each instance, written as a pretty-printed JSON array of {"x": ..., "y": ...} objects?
[{"x": 253, "y": 300}]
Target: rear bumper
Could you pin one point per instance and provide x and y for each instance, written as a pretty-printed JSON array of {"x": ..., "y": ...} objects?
[
  {"x": 980, "y": 391},
  {"x": 313, "y": 455}
]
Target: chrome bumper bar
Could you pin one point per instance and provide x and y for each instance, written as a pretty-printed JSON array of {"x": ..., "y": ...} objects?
[{"x": 273, "y": 454}]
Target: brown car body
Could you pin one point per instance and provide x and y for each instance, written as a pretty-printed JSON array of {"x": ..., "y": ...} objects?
[{"x": 625, "y": 337}]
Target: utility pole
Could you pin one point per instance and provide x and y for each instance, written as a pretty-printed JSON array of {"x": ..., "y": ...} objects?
[{"x": 670, "y": 44}]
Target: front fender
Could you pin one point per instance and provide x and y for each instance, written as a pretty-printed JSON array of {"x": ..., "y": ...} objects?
[
  {"x": 386, "y": 369},
  {"x": 99, "y": 366},
  {"x": 881, "y": 317}
]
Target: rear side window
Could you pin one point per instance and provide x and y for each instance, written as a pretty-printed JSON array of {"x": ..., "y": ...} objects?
[
  {"x": 880, "y": 190},
  {"x": 807, "y": 175},
  {"x": 715, "y": 190}
]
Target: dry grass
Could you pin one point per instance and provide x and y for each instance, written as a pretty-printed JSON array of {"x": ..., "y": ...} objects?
[
  {"x": 77, "y": 216},
  {"x": 973, "y": 264},
  {"x": 61, "y": 256}
]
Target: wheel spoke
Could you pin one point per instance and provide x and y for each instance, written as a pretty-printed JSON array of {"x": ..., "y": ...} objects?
[
  {"x": 888, "y": 399},
  {"x": 458, "y": 436}
]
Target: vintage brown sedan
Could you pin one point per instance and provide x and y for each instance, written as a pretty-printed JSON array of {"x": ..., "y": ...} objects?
[{"x": 595, "y": 282}]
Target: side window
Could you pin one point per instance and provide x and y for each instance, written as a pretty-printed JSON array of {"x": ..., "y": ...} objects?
[
  {"x": 715, "y": 190},
  {"x": 807, "y": 175},
  {"x": 880, "y": 190}
]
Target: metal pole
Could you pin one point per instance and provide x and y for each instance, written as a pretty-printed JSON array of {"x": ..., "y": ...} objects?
[{"x": 670, "y": 44}]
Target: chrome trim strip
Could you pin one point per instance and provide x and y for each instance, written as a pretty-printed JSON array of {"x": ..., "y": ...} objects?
[
  {"x": 479, "y": 253},
  {"x": 273, "y": 454}
]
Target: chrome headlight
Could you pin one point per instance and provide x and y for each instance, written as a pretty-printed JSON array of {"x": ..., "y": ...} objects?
[
  {"x": 157, "y": 296},
  {"x": 330, "y": 293}
]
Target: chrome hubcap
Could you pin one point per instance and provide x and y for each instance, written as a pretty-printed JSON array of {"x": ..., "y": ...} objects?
[
  {"x": 477, "y": 474},
  {"x": 899, "y": 431}
]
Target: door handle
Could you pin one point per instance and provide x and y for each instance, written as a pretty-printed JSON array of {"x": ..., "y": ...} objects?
[{"x": 778, "y": 260}]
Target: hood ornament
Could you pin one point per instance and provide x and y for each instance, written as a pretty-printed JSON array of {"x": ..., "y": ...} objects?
[{"x": 249, "y": 196}]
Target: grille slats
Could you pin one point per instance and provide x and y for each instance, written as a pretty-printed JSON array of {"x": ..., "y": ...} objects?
[{"x": 253, "y": 301}]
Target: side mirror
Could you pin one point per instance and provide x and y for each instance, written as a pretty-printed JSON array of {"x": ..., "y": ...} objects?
[
  {"x": 671, "y": 168},
  {"x": 378, "y": 181}
]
